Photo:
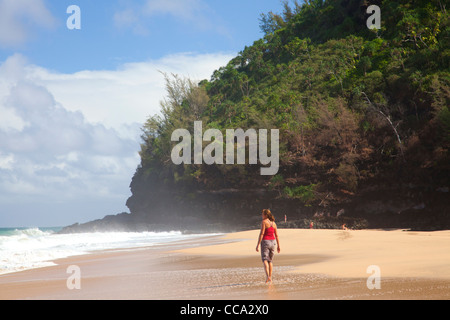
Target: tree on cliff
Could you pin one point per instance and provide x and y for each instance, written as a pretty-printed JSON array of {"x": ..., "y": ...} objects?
[{"x": 353, "y": 105}]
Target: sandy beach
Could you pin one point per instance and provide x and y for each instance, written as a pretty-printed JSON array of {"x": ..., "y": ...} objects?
[{"x": 313, "y": 264}]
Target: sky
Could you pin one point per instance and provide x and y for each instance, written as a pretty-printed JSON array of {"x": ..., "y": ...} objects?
[{"x": 72, "y": 101}]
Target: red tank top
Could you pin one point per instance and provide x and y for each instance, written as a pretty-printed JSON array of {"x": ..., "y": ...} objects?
[{"x": 269, "y": 233}]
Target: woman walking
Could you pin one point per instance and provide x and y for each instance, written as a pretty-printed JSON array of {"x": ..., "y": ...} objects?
[{"x": 268, "y": 238}]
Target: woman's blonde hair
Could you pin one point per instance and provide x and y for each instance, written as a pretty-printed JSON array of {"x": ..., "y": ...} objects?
[{"x": 268, "y": 214}]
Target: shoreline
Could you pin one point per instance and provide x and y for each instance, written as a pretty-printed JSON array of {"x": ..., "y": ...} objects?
[{"x": 313, "y": 264}]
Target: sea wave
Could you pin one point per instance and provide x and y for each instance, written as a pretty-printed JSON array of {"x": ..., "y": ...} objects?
[{"x": 22, "y": 249}]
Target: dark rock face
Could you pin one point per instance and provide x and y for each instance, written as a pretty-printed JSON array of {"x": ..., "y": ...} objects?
[{"x": 230, "y": 210}]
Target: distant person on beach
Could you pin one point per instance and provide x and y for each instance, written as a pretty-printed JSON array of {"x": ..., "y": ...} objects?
[{"x": 268, "y": 238}]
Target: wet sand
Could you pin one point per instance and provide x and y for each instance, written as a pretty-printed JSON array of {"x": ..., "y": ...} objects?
[{"x": 313, "y": 264}]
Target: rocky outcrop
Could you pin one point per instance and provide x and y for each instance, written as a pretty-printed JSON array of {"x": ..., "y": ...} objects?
[{"x": 228, "y": 210}]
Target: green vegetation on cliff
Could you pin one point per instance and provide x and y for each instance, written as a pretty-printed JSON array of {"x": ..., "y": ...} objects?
[{"x": 355, "y": 107}]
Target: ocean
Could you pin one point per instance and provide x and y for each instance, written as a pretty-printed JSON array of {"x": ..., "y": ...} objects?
[{"x": 28, "y": 248}]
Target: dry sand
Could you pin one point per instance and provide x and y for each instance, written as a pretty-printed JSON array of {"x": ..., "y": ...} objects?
[{"x": 313, "y": 264}]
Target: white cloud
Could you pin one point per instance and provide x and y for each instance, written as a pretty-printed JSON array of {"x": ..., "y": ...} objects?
[
  {"x": 71, "y": 137},
  {"x": 57, "y": 152},
  {"x": 18, "y": 18},
  {"x": 128, "y": 95},
  {"x": 6, "y": 161}
]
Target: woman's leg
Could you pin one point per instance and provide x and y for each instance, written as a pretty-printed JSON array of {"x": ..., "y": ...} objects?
[
  {"x": 270, "y": 271},
  {"x": 267, "y": 270}
]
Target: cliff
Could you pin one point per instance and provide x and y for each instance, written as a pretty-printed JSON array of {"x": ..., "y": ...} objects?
[{"x": 362, "y": 115}]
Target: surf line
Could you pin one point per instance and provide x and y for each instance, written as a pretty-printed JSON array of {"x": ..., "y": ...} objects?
[{"x": 213, "y": 152}]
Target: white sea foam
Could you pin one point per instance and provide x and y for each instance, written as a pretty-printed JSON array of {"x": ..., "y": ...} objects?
[{"x": 34, "y": 248}]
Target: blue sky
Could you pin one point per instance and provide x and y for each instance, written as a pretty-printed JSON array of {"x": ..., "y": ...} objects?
[
  {"x": 72, "y": 101},
  {"x": 116, "y": 32}
]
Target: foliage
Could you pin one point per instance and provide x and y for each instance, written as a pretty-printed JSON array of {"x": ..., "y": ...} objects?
[
  {"x": 350, "y": 103},
  {"x": 305, "y": 193}
]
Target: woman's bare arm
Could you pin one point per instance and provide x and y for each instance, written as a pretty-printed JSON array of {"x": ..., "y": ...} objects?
[
  {"x": 261, "y": 234},
  {"x": 278, "y": 240}
]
